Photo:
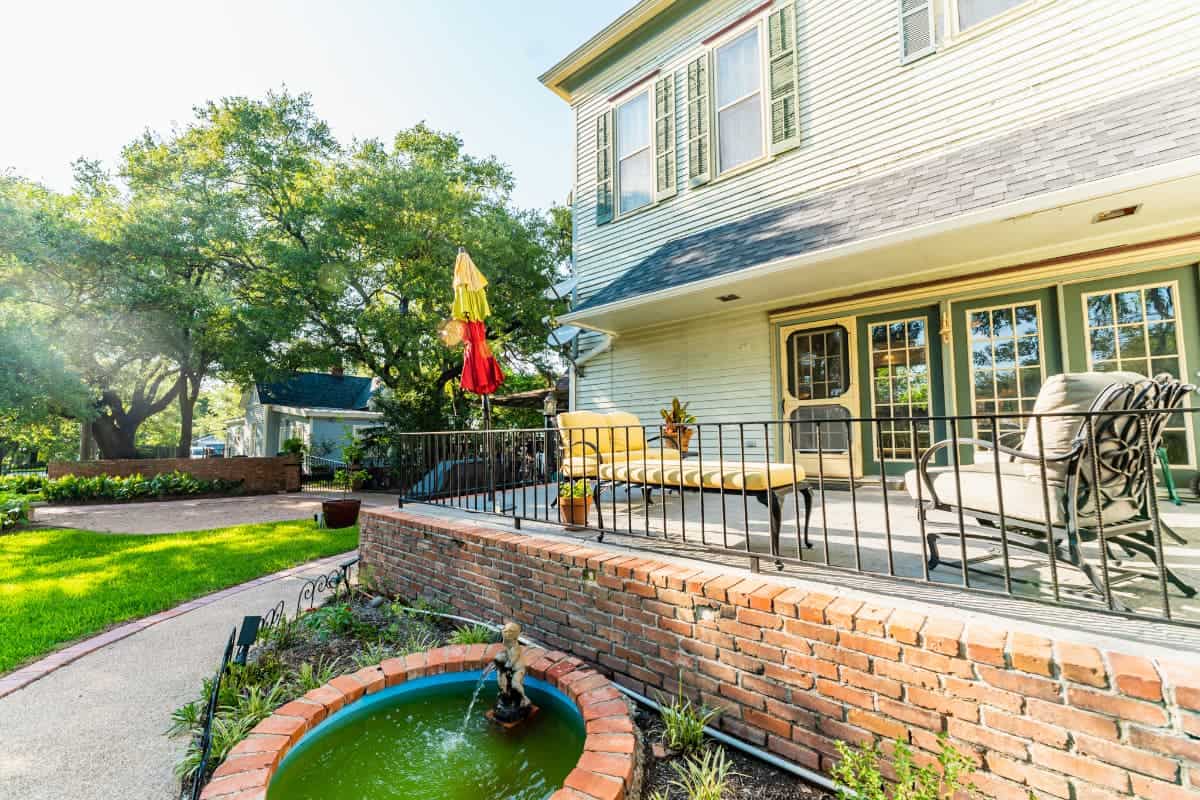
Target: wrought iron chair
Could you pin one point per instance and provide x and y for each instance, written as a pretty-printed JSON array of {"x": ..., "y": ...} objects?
[{"x": 1100, "y": 489}]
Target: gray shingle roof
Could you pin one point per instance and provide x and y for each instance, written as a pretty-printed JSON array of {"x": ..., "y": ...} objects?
[
  {"x": 1150, "y": 127},
  {"x": 318, "y": 390}
]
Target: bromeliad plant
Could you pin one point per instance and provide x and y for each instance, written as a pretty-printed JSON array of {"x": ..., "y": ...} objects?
[{"x": 676, "y": 420}]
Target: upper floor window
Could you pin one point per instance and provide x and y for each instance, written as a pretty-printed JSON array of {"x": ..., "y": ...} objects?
[
  {"x": 739, "y": 103},
  {"x": 634, "y": 157},
  {"x": 973, "y": 12}
]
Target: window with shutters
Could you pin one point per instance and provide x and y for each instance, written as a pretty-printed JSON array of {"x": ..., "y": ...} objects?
[
  {"x": 743, "y": 96},
  {"x": 635, "y": 158}
]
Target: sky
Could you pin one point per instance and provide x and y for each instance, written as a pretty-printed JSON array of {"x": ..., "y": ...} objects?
[{"x": 85, "y": 78}]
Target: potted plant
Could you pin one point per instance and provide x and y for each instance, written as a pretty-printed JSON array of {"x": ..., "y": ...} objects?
[
  {"x": 575, "y": 502},
  {"x": 676, "y": 420},
  {"x": 343, "y": 513},
  {"x": 293, "y": 447}
]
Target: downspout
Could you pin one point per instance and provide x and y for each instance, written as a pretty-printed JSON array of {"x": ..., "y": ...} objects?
[{"x": 724, "y": 738}]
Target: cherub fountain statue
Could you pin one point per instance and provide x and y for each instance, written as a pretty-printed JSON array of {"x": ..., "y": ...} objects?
[{"x": 512, "y": 705}]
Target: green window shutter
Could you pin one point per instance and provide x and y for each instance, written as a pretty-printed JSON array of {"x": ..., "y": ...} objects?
[
  {"x": 604, "y": 168},
  {"x": 785, "y": 117},
  {"x": 916, "y": 29},
  {"x": 664, "y": 137},
  {"x": 699, "y": 134}
]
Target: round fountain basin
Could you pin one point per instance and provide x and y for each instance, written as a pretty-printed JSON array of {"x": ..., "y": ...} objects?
[
  {"x": 416, "y": 740},
  {"x": 401, "y": 730}
]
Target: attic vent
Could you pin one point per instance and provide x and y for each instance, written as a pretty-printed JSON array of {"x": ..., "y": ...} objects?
[
  {"x": 726, "y": 298},
  {"x": 1115, "y": 213}
]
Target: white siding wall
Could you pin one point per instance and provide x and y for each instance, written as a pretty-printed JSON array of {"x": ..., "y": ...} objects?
[
  {"x": 721, "y": 365},
  {"x": 864, "y": 113}
]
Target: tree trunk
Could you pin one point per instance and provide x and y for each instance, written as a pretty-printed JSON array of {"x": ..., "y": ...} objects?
[
  {"x": 189, "y": 393},
  {"x": 87, "y": 442},
  {"x": 113, "y": 440}
]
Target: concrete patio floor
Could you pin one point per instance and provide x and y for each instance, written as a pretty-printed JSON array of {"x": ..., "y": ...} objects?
[{"x": 680, "y": 523}]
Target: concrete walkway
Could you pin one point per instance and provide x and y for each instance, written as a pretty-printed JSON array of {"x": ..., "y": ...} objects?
[
  {"x": 93, "y": 728},
  {"x": 175, "y": 516}
]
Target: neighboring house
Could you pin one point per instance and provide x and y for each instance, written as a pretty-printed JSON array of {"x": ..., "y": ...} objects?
[
  {"x": 208, "y": 445},
  {"x": 326, "y": 411},
  {"x": 876, "y": 208}
]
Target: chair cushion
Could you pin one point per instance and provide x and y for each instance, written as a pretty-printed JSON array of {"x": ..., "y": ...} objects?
[
  {"x": 1061, "y": 394},
  {"x": 1023, "y": 498},
  {"x": 580, "y": 427},
  {"x": 627, "y": 431},
  {"x": 756, "y": 477},
  {"x": 580, "y": 467}
]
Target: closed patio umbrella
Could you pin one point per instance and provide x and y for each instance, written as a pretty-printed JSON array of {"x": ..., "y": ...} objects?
[{"x": 481, "y": 373}]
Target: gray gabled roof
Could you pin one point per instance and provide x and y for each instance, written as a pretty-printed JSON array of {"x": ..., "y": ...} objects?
[
  {"x": 1147, "y": 128},
  {"x": 317, "y": 390}
]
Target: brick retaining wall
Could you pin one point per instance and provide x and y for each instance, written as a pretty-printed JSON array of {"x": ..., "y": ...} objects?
[
  {"x": 798, "y": 670},
  {"x": 258, "y": 475}
]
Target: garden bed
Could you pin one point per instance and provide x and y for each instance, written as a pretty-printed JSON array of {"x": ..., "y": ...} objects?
[{"x": 349, "y": 634}]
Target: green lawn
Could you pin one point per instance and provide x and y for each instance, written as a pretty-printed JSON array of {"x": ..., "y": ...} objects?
[{"x": 60, "y": 585}]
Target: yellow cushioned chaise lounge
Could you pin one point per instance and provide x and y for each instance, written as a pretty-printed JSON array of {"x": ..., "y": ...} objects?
[{"x": 611, "y": 449}]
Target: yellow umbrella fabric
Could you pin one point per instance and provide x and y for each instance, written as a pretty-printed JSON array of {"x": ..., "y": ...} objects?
[{"x": 470, "y": 295}]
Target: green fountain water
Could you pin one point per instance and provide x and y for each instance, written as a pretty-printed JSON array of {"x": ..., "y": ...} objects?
[{"x": 416, "y": 742}]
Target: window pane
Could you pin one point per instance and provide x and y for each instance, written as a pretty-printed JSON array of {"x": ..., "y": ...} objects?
[
  {"x": 1159, "y": 303},
  {"x": 1131, "y": 341},
  {"x": 635, "y": 180},
  {"x": 1129, "y": 307},
  {"x": 1162, "y": 338},
  {"x": 878, "y": 337},
  {"x": 973, "y": 12},
  {"x": 739, "y": 71},
  {"x": 1002, "y": 323},
  {"x": 1099, "y": 310},
  {"x": 740, "y": 132},
  {"x": 1027, "y": 324},
  {"x": 980, "y": 329},
  {"x": 633, "y": 125},
  {"x": 1103, "y": 348}
]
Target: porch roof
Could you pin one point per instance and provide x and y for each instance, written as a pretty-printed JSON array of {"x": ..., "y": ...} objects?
[{"x": 1021, "y": 173}]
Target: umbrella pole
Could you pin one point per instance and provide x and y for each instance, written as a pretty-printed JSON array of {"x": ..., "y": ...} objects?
[{"x": 491, "y": 456}]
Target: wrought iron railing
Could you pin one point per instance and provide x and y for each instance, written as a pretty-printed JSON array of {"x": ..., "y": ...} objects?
[
  {"x": 319, "y": 473},
  {"x": 1036, "y": 520}
]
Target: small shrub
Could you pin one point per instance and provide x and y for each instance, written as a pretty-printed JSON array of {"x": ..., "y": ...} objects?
[
  {"x": 226, "y": 733},
  {"x": 575, "y": 490},
  {"x": 313, "y": 676},
  {"x": 336, "y": 619},
  {"x": 703, "y": 777},
  {"x": 684, "y": 722},
  {"x": 74, "y": 488},
  {"x": 187, "y": 719},
  {"x": 473, "y": 634},
  {"x": 858, "y": 773},
  {"x": 22, "y": 484},
  {"x": 13, "y": 511},
  {"x": 371, "y": 655}
]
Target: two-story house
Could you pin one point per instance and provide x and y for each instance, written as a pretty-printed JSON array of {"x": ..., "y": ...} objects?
[{"x": 805, "y": 210}]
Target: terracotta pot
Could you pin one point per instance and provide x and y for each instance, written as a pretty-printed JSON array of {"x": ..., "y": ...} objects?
[
  {"x": 340, "y": 513},
  {"x": 574, "y": 510},
  {"x": 678, "y": 438}
]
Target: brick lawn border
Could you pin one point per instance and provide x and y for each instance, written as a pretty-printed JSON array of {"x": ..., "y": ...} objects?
[
  {"x": 607, "y": 770},
  {"x": 22, "y": 677},
  {"x": 799, "y": 668}
]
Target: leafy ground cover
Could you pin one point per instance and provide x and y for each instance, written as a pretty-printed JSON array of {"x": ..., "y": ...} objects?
[{"x": 60, "y": 585}]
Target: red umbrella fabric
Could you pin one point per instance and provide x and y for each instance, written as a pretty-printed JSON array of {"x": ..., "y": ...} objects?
[{"x": 481, "y": 372}]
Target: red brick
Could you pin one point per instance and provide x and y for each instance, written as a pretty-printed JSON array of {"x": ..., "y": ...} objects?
[
  {"x": 1126, "y": 757},
  {"x": 943, "y": 704},
  {"x": 870, "y": 645},
  {"x": 718, "y": 587},
  {"x": 983, "y": 694},
  {"x": 887, "y": 728},
  {"x": 793, "y": 752},
  {"x": 937, "y": 662},
  {"x": 905, "y": 626},
  {"x": 1117, "y": 706},
  {"x": 1072, "y": 719},
  {"x": 310, "y": 712},
  {"x": 810, "y": 630},
  {"x": 247, "y": 763},
  {"x": 759, "y": 619},
  {"x": 394, "y": 671},
  {"x": 349, "y": 686},
  {"x": 943, "y": 636},
  {"x": 986, "y": 645},
  {"x": 1135, "y": 676},
  {"x": 906, "y": 674},
  {"x": 232, "y": 785},
  {"x": 1185, "y": 680},
  {"x": 929, "y": 720},
  {"x": 1028, "y": 685},
  {"x": 739, "y": 593},
  {"x": 840, "y": 613},
  {"x": 993, "y": 740},
  {"x": 1158, "y": 742},
  {"x": 594, "y": 785},
  {"x": 371, "y": 678},
  {"x": 787, "y": 602},
  {"x": 1040, "y": 780},
  {"x": 1026, "y": 728},
  {"x": 812, "y": 609},
  {"x": 617, "y": 766},
  {"x": 1082, "y": 664},
  {"x": 1032, "y": 654},
  {"x": 840, "y": 655},
  {"x": 1157, "y": 790},
  {"x": 767, "y": 723},
  {"x": 846, "y": 694},
  {"x": 872, "y": 620},
  {"x": 1079, "y": 767},
  {"x": 291, "y": 727},
  {"x": 610, "y": 742},
  {"x": 875, "y": 683}
]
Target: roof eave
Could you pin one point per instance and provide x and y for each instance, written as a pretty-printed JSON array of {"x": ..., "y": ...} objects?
[{"x": 601, "y": 43}]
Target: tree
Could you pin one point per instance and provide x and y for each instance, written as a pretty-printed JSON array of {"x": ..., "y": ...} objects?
[{"x": 358, "y": 244}]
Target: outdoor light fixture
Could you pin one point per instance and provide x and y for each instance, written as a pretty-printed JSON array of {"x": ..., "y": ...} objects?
[
  {"x": 549, "y": 404},
  {"x": 1115, "y": 213},
  {"x": 726, "y": 298},
  {"x": 707, "y": 613},
  {"x": 247, "y": 637}
]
